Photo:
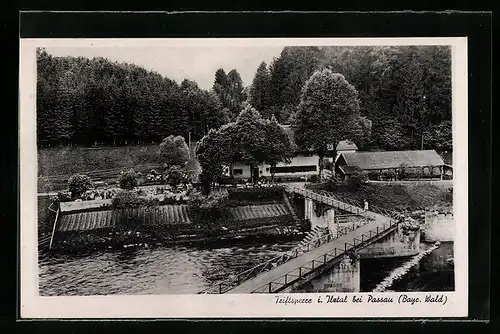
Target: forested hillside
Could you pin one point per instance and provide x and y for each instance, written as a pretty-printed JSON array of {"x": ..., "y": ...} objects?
[
  {"x": 87, "y": 102},
  {"x": 404, "y": 93}
]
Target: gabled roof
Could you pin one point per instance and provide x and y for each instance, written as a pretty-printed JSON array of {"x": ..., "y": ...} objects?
[
  {"x": 393, "y": 159},
  {"x": 349, "y": 170},
  {"x": 346, "y": 145}
]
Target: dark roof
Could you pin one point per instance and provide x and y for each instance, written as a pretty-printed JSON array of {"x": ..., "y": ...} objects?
[
  {"x": 349, "y": 170},
  {"x": 393, "y": 159},
  {"x": 345, "y": 145}
]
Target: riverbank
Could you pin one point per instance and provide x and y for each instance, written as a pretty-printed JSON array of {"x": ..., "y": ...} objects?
[
  {"x": 145, "y": 236},
  {"x": 431, "y": 204},
  {"x": 248, "y": 213}
]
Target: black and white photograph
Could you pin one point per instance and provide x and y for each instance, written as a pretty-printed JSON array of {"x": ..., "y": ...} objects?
[{"x": 286, "y": 169}]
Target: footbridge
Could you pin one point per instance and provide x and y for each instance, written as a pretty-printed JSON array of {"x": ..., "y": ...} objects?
[{"x": 331, "y": 261}]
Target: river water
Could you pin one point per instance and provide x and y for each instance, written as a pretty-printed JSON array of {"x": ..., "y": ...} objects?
[{"x": 190, "y": 269}]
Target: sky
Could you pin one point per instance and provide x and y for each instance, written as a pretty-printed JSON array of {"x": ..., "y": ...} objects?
[{"x": 197, "y": 63}]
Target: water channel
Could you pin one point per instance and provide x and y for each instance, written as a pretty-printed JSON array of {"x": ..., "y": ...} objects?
[{"x": 190, "y": 269}]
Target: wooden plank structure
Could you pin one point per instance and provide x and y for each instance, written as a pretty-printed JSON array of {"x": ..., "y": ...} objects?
[{"x": 161, "y": 215}]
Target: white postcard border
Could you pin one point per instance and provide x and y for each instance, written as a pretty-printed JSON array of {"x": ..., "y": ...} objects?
[{"x": 233, "y": 306}]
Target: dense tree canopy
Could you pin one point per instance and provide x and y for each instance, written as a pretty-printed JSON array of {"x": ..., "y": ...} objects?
[
  {"x": 230, "y": 91},
  {"x": 259, "y": 90},
  {"x": 95, "y": 101},
  {"x": 251, "y": 140},
  {"x": 404, "y": 97},
  {"x": 174, "y": 151},
  {"x": 404, "y": 91},
  {"x": 328, "y": 112},
  {"x": 279, "y": 146}
]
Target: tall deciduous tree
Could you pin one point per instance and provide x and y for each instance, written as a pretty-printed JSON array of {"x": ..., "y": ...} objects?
[
  {"x": 250, "y": 142},
  {"x": 211, "y": 154},
  {"x": 404, "y": 90},
  {"x": 327, "y": 113},
  {"x": 279, "y": 146},
  {"x": 174, "y": 151}
]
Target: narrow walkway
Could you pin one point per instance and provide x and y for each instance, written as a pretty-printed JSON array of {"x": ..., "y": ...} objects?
[{"x": 291, "y": 267}]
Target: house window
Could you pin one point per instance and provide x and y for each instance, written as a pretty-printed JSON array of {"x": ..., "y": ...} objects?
[
  {"x": 267, "y": 169},
  {"x": 238, "y": 171},
  {"x": 293, "y": 169}
]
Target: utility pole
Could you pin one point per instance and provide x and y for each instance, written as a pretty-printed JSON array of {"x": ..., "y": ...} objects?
[
  {"x": 189, "y": 143},
  {"x": 422, "y": 147}
]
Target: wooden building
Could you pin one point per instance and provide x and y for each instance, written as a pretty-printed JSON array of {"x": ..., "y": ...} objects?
[{"x": 392, "y": 165}]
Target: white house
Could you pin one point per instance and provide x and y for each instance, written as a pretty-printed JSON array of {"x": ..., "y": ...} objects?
[
  {"x": 300, "y": 165},
  {"x": 304, "y": 163}
]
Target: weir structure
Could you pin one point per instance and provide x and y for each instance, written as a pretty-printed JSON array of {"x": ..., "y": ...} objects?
[{"x": 331, "y": 261}]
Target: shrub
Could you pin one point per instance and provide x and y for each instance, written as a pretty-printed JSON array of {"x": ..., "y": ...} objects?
[
  {"x": 208, "y": 209},
  {"x": 227, "y": 180},
  {"x": 388, "y": 174},
  {"x": 256, "y": 194},
  {"x": 63, "y": 196},
  {"x": 78, "y": 184},
  {"x": 373, "y": 175},
  {"x": 314, "y": 178},
  {"x": 327, "y": 164},
  {"x": 175, "y": 176},
  {"x": 357, "y": 180},
  {"x": 174, "y": 151},
  {"x": 334, "y": 182},
  {"x": 128, "y": 180},
  {"x": 264, "y": 179},
  {"x": 417, "y": 173},
  {"x": 130, "y": 200}
]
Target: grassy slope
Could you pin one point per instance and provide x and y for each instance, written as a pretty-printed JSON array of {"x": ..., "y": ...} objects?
[
  {"x": 400, "y": 196},
  {"x": 69, "y": 160},
  {"x": 104, "y": 163}
]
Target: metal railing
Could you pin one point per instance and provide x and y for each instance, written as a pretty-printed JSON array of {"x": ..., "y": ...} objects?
[
  {"x": 319, "y": 262},
  {"x": 341, "y": 202},
  {"x": 344, "y": 204},
  {"x": 228, "y": 284}
]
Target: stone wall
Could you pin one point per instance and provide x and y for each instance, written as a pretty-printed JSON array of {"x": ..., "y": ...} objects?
[
  {"x": 342, "y": 277},
  {"x": 439, "y": 227},
  {"x": 400, "y": 243}
]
